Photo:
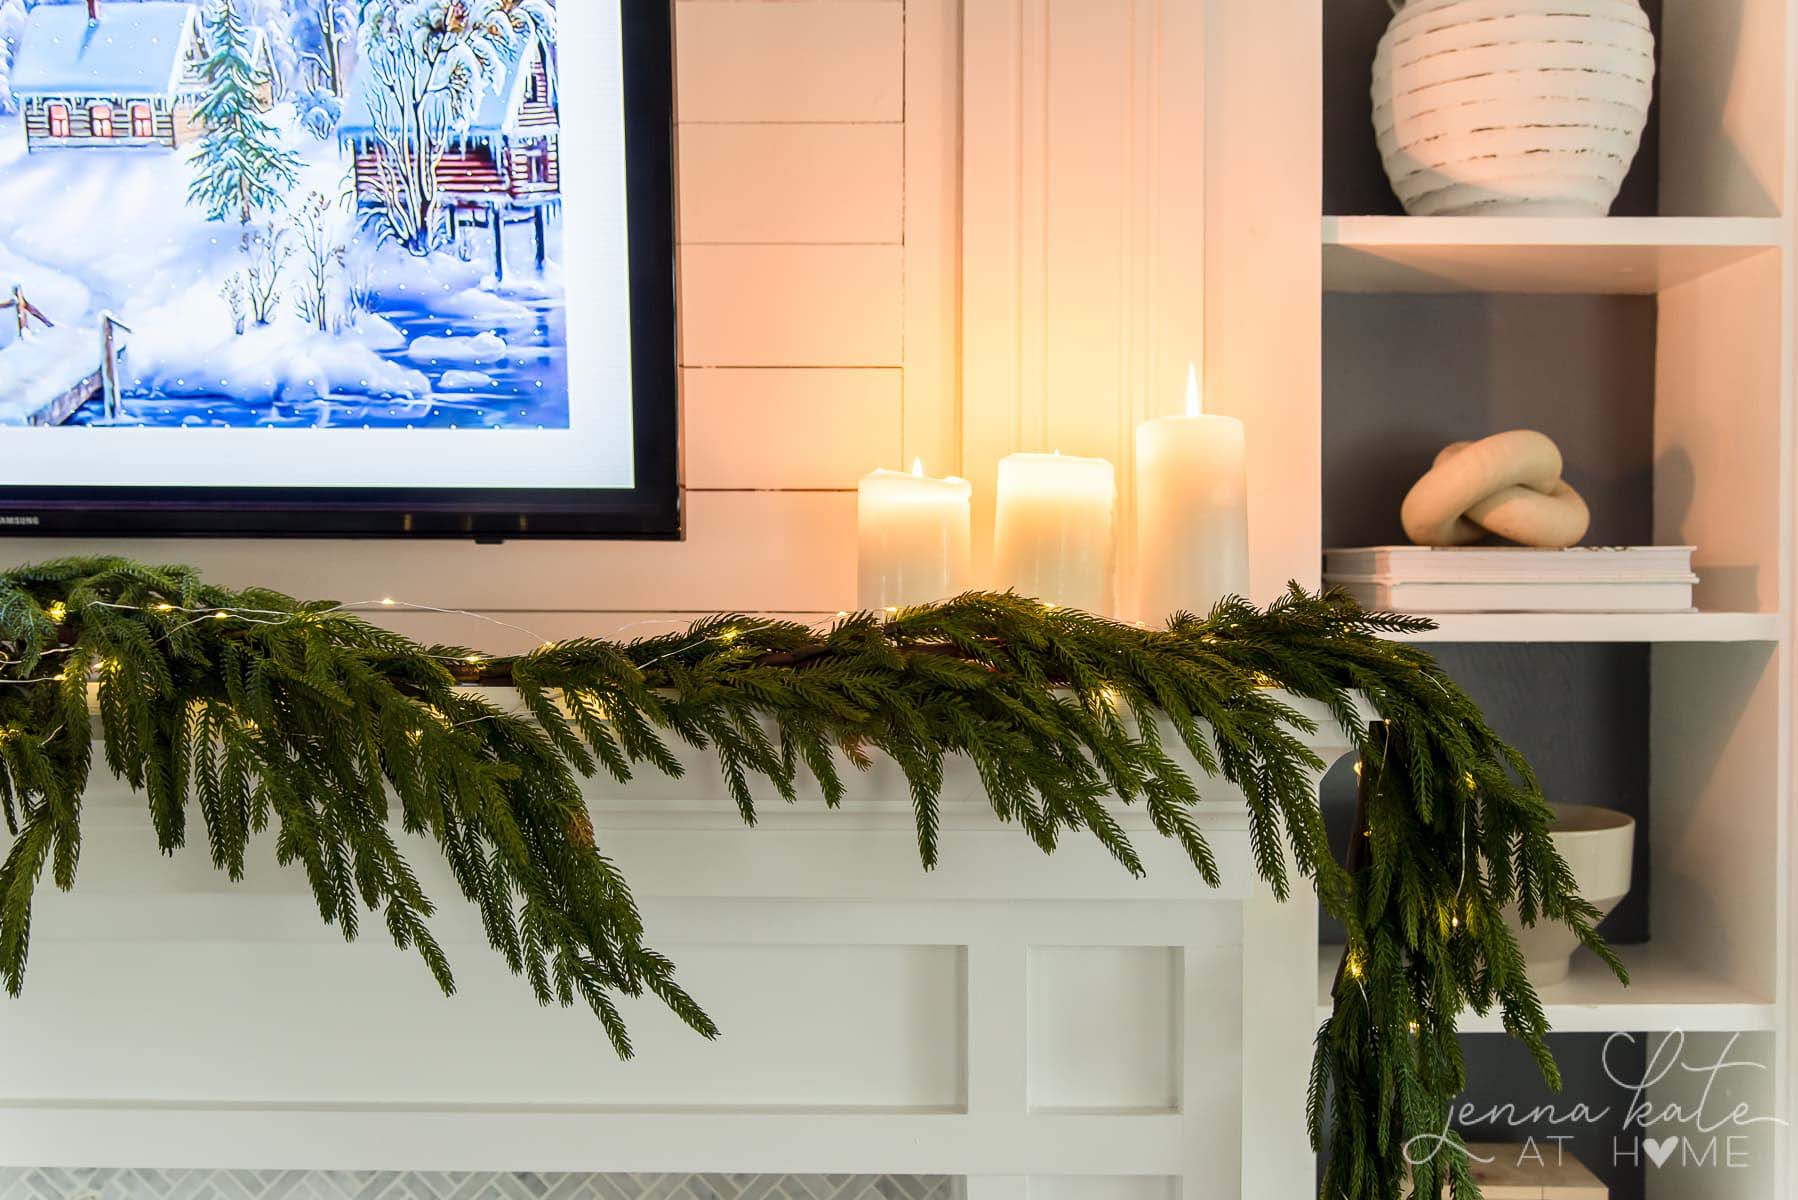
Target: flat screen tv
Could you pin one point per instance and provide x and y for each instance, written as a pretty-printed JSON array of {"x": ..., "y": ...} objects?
[{"x": 338, "y": 268}]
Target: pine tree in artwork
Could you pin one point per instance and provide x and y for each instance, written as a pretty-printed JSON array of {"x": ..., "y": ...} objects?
[{"x": 241, "y": 165}]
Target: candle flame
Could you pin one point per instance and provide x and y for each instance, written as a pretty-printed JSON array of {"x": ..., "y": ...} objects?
[
  {"x": 917, "y": 467},
  {"x": 1194, "y": 407}
]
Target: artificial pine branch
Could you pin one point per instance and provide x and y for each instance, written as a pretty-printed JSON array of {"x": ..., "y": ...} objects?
[{"x": 269, "y": 715}]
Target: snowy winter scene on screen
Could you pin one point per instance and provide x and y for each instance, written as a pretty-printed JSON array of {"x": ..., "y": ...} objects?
[{"x": 222, "y": 220}]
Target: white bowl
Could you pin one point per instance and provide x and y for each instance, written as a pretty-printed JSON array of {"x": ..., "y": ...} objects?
[{"x": 1599, "y": 845}]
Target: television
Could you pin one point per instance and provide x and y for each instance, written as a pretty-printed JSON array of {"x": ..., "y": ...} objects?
[{"x": 331, "y": 268}]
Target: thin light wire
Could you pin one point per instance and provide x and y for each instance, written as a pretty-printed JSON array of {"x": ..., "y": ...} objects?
[
  {"x": 390, "y": 602},
  {"x": 255, "y": 616},
  {"x": 164, "y": 607}
]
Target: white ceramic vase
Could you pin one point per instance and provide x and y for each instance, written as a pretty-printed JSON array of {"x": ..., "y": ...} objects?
[
  {"x": 1512, "y": 107},
  {"x": 1599, "y": 845}
]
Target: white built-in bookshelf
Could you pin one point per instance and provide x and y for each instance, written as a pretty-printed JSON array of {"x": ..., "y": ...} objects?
[{"x": 1718, "y": 257}]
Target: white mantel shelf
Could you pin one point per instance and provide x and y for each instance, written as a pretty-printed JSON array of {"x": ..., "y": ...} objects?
[{"x": 1007, "y": 1014}]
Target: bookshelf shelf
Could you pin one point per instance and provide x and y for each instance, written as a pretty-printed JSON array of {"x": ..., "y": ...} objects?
[
  {"x": 1615, "y": 255},
  {"x": 1604, "y": 627},
  {"x": 1665, "y": 994}
]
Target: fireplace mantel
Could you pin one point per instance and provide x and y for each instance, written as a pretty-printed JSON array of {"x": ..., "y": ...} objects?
[{"x": 1007, "y": 1015}]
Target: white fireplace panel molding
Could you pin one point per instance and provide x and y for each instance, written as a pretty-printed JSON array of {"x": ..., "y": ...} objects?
[{"x": 1043, "y": 1027}]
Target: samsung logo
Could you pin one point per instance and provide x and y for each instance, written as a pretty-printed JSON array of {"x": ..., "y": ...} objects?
[{"x": 20, "y": 520}]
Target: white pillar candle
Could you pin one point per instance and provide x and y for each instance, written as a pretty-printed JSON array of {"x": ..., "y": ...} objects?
[
  {"x": 1192, "y": 511},
  {"x": 1054, "y": 537},
  {"x": 914, "y": 538}
]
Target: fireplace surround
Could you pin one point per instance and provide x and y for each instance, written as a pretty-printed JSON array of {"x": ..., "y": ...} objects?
[{"x": 1010, "y": 1020}]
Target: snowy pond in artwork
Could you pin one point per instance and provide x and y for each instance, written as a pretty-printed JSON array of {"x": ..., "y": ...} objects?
[{"x": 347, "y": 215}]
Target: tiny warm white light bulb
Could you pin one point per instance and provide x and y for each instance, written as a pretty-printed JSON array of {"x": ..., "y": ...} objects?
[
  {"x": 388, "y": 602},
  {"x": 1195, "y": 406},
  {"x": 917, "y": 468}
]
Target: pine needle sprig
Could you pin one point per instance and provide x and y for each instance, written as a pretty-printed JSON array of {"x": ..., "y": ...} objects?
[{"x": 271, "y": 716}]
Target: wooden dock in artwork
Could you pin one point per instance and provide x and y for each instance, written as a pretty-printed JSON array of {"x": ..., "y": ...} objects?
[
  {"x": 62, "y": 408},
  {"x": 47, "y": 384}
]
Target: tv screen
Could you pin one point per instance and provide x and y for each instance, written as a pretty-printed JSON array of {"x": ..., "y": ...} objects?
[{"x": 337, "y": 267}]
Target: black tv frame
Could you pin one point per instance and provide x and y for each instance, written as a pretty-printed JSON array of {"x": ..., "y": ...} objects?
[{"x": 651, "y": 509}]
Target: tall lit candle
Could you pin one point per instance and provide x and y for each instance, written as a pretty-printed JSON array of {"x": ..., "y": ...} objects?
[
  {"x": 1192, "y": 510},
  {"x": 1054, "y": 537},
  {"x": 913, "y": 534}
]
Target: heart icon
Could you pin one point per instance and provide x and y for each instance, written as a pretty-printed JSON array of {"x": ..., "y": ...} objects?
[{"x": 1660, "y": 1151}]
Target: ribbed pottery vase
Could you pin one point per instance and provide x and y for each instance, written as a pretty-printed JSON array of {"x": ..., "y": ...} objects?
[{"x": 1512, "y": 107}]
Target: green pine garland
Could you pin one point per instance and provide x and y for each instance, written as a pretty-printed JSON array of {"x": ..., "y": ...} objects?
[{"x": 266, "y": 712}]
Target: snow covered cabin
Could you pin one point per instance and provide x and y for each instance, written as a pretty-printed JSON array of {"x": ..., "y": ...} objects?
[
  {"x": 506, "y": 158},
  {"x": 93, "y": 75}
]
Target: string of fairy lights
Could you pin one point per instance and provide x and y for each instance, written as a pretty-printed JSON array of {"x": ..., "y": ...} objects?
[
  {"x": 1352, "y": 959},
  {"x": 57, "y": 612}
]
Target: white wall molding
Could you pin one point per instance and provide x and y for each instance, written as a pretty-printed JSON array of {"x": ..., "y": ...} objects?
[
  {"x": 933, "y": 235},
  {"x": 1083, "y": 228},
  {"x": 1264, "y": 189}
]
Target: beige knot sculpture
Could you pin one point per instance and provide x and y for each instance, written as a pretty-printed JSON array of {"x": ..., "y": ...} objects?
[{"x": 1509, "y": 484}]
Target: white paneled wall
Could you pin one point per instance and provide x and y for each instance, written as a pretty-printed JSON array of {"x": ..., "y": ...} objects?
[
  {"x": 1083, "y": 229},
  {"x": 793, "y": 197}
]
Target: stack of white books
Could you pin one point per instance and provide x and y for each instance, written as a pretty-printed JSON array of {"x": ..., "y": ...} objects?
[{"x": 1500, "y": 579}]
